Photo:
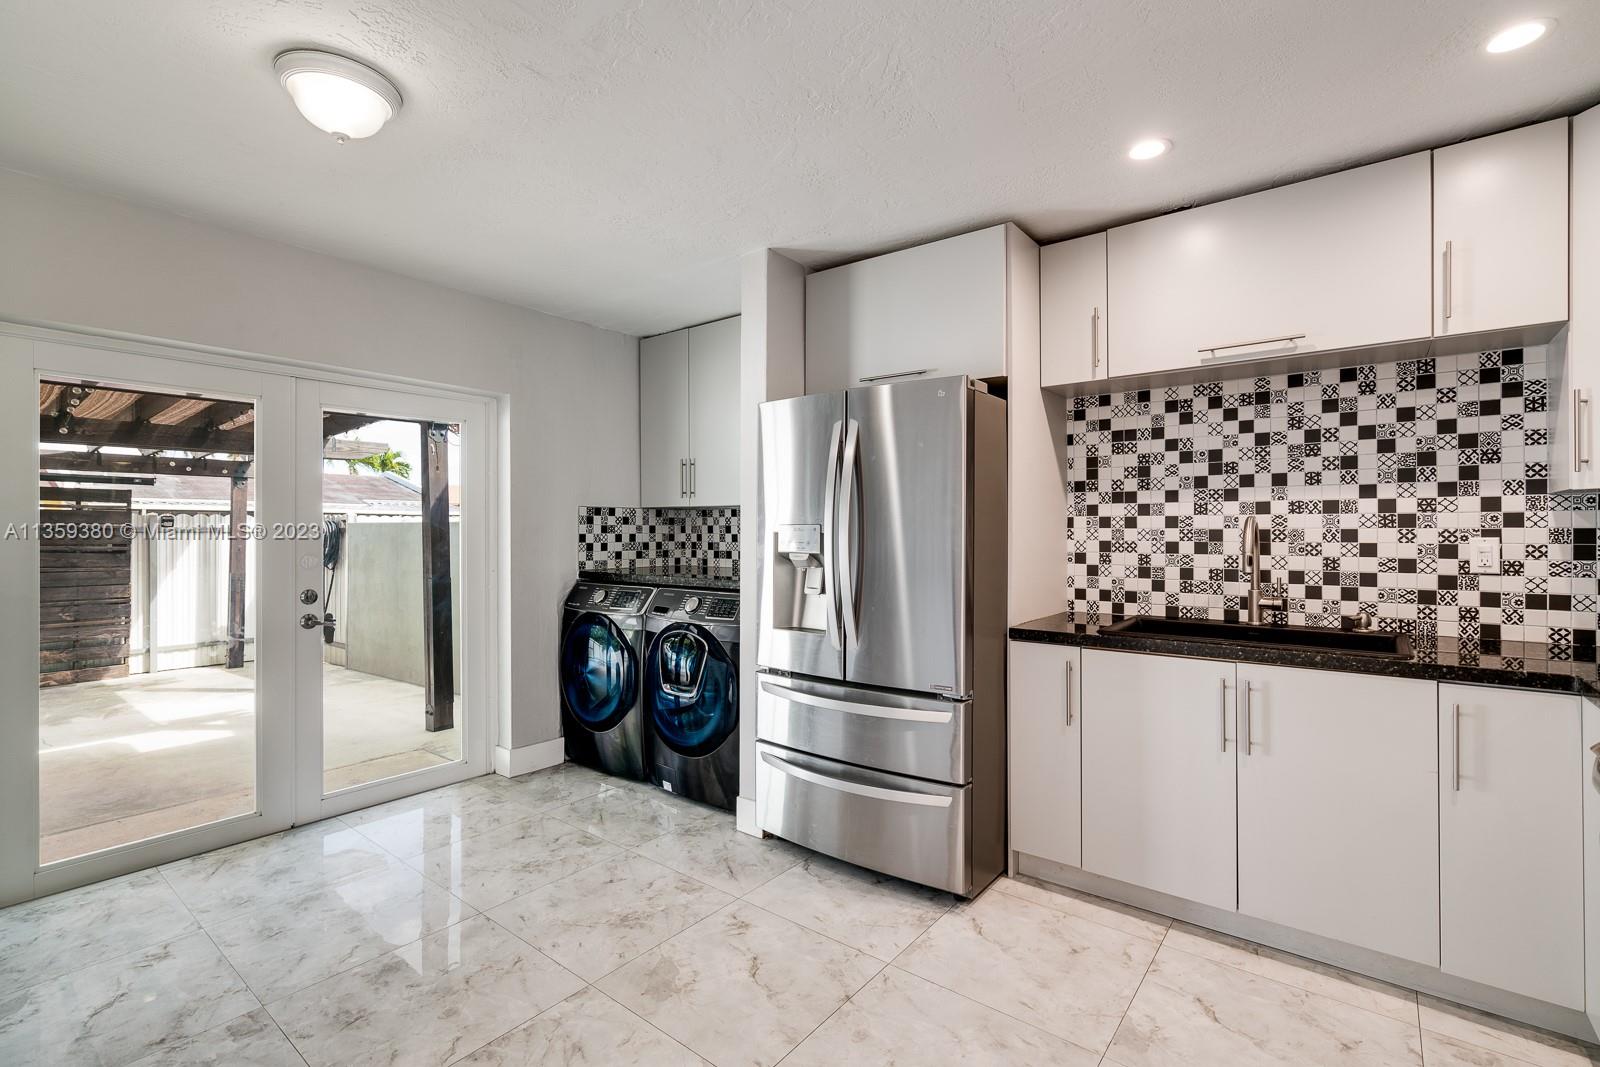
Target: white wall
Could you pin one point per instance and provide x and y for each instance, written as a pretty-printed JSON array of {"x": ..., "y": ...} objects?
[{"x": 86, "y": 261}]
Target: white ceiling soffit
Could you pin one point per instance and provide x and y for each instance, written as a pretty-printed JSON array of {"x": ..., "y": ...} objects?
[{"x": 609, "y": 161}]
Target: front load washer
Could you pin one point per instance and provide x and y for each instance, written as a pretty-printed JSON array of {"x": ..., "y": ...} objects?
[
  {"x": 602, "y": 667},
  {"x": 691, "y": 694}
]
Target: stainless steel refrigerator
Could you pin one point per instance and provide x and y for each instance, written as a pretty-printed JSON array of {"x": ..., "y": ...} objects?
[{"x": 880, "y": 715}]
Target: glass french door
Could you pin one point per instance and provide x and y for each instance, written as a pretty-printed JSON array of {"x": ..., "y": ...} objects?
[
  {"x": 391, "y": 595},
  {"x": 239, "y": 600}
]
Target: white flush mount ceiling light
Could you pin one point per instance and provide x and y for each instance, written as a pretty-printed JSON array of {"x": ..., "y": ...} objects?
[
  {"x": 1519, "y": 36},
  {"x": 1149, "y": 148},
  {"x": 337, "y": 95}
]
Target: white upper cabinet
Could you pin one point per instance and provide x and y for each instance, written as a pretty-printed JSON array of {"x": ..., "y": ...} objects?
[
  {"x": 1043, "y": 721},
  {"x": 1574, "y": 360},
  {"x": 1332, "y": 263},
  {"x": 1511, "y": 840},
  {"x": 664, "y": 420},
  {"x": 1158, "y": 774},
  {"x": 1072, "y": 303},
  {"x": 935, "y": 309},
  {"x": 1338, "y": 807},
  {"x": 689, "y": 417},
  {"x": 1500, "y": 230},
  {"x": 714, "y": 414}
]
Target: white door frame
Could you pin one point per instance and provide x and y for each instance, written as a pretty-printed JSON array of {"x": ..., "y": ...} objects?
[
  {"x": 29, "y": 352},
  {"x": 476, "y": 704}
]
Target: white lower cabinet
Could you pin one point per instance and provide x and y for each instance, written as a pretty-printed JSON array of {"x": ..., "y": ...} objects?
[
  {"x": 1511, "y": 840},
  {"x": 1045, "y": 780},
  {"x": 1158, "y": 774},
  {"x": 1440, "y": 824},
  {"x": 1338, "y": 808}
]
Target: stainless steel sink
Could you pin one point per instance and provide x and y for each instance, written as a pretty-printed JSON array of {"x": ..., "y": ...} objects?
[{"x": 1303, "y": 638}]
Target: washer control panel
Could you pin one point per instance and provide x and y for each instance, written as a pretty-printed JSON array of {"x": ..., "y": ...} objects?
[
  {"x": 613, "y": 599},
  {"x": 697, "y": 606}
]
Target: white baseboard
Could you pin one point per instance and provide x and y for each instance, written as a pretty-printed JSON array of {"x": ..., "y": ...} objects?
[
  {"x": 512, "y": 762},
  {"x": 1385, "y": 968},
  {"x": 745, "y": 817}
]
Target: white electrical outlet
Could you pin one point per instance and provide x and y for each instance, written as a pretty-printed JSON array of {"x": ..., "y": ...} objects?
[{"x": 1485, "y": 555}]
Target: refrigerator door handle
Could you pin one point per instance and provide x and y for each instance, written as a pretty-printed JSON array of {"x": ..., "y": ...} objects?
[
  {"x": 941, "y": 717},
  {"x": 829, "y": 571},
  {"x": 860, "y": 789},
  {"x": 848, "y": 565}
]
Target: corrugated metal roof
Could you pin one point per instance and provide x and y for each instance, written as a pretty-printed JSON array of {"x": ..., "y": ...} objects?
[{"x": 340, "y": 491}]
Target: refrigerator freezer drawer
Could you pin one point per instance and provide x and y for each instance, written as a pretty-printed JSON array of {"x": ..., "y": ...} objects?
[
  {"x": 904, "y": 827},
  {"x": 921, "y": 736}
]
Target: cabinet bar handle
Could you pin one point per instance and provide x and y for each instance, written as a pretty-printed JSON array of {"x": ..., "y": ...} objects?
[
  {"x": 1580, "y": 422},
  {"x": 1214, "y": 349},
  {"x": 1069, "y": 692},
  {"x": 1249, "y": 723},
  {"x": 1455, "y": 747},
  {"x": 1094, "y": 340},
  {"x": 691, "y": 478},
  {"x": 1223, "y": 708},
  {"x": 683, "y": 477},
  {"x": 897, "y": 374},
  {"x": 1449, "y": 290}
]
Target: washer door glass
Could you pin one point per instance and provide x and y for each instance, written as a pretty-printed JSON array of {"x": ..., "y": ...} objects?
[
  {"x": 692, "y": 689},
  {"x": 599, "y": 674}
]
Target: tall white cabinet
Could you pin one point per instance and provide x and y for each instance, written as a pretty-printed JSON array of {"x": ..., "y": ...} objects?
[
  {"x": 689, "y": 417},
  {"x": 1511, "y": 840},
  {"x": 1500, "y": 230}
]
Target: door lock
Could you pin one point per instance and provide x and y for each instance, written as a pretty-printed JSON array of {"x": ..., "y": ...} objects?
[
  {"x": 308, "y": 596},
  {"x": 310, "y": 621}
]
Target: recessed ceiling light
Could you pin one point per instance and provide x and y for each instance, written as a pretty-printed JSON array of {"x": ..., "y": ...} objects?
[
  {"x": 1149, "y": 148},
  {"x": 1522, "y": 34},
  {"x": 337, "y": 95}
]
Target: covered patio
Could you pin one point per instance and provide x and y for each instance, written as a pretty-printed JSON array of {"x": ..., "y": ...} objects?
[
  {"x": 122, "y": 759},
  {"x": 147, "y": 696}
]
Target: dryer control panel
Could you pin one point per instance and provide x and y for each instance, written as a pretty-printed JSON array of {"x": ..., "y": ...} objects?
[{"x": 699, "y": 606}]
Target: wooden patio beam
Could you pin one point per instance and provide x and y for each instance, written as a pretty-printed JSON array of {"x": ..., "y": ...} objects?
[
  {"x": 438, "y": 629},
  {"x": 238, "y": 503}
]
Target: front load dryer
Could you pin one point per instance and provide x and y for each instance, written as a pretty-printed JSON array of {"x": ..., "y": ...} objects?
[{"x": 691, "y": 694}]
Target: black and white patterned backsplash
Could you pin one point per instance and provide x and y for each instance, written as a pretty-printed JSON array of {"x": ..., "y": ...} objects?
[
  {"x": 689, "y": 540},
  {"x": 1368, "y": 483}
]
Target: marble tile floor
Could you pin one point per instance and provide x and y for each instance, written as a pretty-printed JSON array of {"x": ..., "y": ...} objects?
[{"x": 566, "y": 918}]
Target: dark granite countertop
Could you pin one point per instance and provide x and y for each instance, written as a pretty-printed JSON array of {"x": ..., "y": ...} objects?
[
  {"x": 718, "y": 581},
  {"x": 1519, "y": 665}
]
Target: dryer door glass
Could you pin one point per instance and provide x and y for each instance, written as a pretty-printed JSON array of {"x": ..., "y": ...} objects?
[
  {"x": 692, "y": 686},
  {"x": 598, "y": 674}
]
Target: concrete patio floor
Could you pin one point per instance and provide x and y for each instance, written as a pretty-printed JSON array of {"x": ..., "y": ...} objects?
[{"x": 124, "y": 759}]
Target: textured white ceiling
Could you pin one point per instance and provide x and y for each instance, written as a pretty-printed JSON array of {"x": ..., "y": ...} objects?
[{"x": 609, "y": 161}]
